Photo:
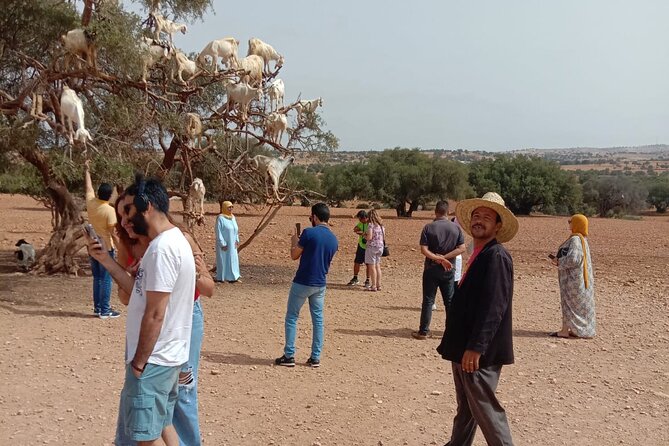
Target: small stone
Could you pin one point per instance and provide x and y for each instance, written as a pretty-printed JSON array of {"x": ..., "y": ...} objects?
[{"x": 215, "y": 372}]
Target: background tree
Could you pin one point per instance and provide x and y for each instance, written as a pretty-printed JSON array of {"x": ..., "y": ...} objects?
[
  {"x": 348, "y": 181},
  {"x": 135, "y": 125},
  {"x": 527, "y": 184},
  {"x": 408, "y": 178},
  {"x": 658, "y": 193}
]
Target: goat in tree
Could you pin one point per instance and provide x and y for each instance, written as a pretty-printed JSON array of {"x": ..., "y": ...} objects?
[
  {"x": 197, "y": 192},
  {"x": 154, "y": 52},
  {"x": 275, "y": 125},
  {"x": 166, "y": 26},
  {"x": 264, "y": 50},
  {"x": 225, "y": 48},
  {"x": 72, "y": 111},
  {"x": 79, "y": 44},
  {"x": 193, "y": 127},
  {"x": 183, "y": 64},
  {"x": 276, "y": 92},
  {"x": 272, "y": 167}
]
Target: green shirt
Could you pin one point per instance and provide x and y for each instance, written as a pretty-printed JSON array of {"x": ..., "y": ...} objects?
[{"x": 361, "y": 240}]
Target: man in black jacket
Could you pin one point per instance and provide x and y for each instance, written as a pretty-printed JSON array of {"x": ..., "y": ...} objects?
[{"x": 478, "y": 338}]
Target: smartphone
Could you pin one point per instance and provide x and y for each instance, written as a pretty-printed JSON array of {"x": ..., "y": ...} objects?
[
  {"x": 298, "y": 228},
  {"x": 91, "y": 232},
  {"x": 551, "y": 256}
]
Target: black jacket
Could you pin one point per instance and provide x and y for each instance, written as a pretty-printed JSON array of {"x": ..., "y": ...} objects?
[{"x": 479, "y": 318}]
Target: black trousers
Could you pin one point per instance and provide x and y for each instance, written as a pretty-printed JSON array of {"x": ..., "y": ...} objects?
[{"x": 435, "y": 277}]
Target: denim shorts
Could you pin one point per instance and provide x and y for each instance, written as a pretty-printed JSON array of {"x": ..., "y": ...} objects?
[{"x": 148, "y": 402}]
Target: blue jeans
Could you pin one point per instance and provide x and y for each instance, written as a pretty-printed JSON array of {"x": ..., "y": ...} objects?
[
  {"x": 435, "y": 277},
  {"x": 185, "y": 418},
  {"x": 296, "y": 297},
  {"x": 102, "y": 286}
]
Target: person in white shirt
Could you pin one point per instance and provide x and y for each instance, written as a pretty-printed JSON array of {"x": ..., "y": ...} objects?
[{"x": 159, "y": 321}]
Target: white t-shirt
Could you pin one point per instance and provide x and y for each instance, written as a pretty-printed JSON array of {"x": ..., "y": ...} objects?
[
  {"x": 458, "y": 268},
  {"x": 167, "y": 266}
]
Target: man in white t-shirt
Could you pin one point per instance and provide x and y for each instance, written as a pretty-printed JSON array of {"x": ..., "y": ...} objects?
[{"x": 159, "y": 321}]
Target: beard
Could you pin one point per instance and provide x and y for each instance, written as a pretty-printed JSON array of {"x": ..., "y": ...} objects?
[{"x": 139, "y": 224}]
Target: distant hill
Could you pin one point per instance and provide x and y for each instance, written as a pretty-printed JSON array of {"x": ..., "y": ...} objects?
[{"x": 571, "y": 158}]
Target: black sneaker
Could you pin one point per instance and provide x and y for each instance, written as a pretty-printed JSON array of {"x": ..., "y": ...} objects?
[
  {"x": 354, "y": 281},
  {"x": 286, "y": 362},
  {"x": 110, "y": 314},
  {"x": 314, "y": 363},
  {"x": 366, "y": 283},
  {"x": 96, "y": 312}
]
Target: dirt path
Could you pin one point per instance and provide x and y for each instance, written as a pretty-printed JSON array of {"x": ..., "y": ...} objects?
[{"x": 62, "y": 368}]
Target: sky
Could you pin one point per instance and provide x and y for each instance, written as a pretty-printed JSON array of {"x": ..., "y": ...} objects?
[{"x": 475, "y": 75}]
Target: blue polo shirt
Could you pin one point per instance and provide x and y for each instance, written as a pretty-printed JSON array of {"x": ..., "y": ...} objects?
[{"x": 319, "y": 246}]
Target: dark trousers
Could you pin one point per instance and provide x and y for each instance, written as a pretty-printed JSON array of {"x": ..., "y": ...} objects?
[
  {"x": 478, "y": 406},
  {"x": 435, "y": 277}
]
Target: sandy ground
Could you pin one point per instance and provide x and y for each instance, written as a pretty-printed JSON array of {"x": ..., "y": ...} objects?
[{"x": 62, "y": 368}]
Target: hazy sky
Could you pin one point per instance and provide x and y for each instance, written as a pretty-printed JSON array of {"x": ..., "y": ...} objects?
[{"x": 490, "y": 75}]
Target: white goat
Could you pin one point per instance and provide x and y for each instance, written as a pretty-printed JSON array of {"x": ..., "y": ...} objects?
[
  {"x": 197, "y": 192},
  {"x": 264, "y": 50},
  {"x": 72, "y": 111},
  {"x": 79, "y": 44},
  {"x": 273, "y": 167},
  {"x": 275, "y": 125},
  {"x": 276, "y": 92},
  {"x": 183, "y": 64},
  {"x": 193, "y": 127},
  {"x": 242, "y": 94},
  {"x": 153, "y": 53},
  {"x": 307, "y": 106},
  {"x": 225, "y": 48},
  {"x": 252, "y": 65},
  {"x": 166, "y": 26}
]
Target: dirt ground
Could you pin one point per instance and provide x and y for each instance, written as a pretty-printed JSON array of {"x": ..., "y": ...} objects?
[{"x": 62, "y": 369}]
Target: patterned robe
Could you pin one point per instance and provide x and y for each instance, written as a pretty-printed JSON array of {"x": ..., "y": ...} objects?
[{"x": 577, "y": 301}]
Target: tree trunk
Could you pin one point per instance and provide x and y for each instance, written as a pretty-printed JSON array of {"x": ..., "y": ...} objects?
[
  {"x": 400, "y": 209},
  {"x": 413, "y": 206},
  {"x": 67, "y": 239}
]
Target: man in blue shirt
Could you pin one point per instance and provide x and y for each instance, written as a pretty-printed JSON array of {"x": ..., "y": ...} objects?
[{"x": 315, "y": 248}]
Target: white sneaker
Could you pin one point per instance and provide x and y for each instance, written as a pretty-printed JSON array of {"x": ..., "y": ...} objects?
[{"x": 434, "y": 306}]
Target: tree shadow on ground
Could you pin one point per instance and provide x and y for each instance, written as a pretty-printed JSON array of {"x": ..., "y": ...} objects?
[
  {"x": 402, "y": 332},
  {"x": 530, "y": 333},
  {"x": 46, "y": 312},
  {"x": 235, "y": 358}
]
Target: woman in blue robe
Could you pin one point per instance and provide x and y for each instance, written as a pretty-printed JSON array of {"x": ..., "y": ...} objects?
[{"x": 227, "y": 241}]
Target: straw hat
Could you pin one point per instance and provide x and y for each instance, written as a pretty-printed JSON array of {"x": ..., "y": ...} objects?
[{"x": 491, "y": 200}]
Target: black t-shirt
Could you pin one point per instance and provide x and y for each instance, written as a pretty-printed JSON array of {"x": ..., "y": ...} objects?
[{"x": 441, "y": 237}]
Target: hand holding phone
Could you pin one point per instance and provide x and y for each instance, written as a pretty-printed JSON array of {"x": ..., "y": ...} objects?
[{"x": 91, "y": 232}]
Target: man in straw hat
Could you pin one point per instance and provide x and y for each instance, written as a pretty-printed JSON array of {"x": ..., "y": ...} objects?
[{"x": 478, "y": 337}]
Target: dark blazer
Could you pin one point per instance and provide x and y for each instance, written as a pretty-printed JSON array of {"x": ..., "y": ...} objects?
[{"x": 479, "y": 318}]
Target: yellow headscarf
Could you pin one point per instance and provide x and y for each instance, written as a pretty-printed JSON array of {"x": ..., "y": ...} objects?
[
  {"x": 225, "y": 209},
  {"x": 579, "y": 227}
]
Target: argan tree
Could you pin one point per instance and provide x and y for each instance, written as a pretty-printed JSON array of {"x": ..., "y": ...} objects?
[{"x": 135, "y": 125}]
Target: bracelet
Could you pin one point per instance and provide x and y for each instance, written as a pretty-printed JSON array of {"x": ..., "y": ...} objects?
[{"x": 132, "y": 364}]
